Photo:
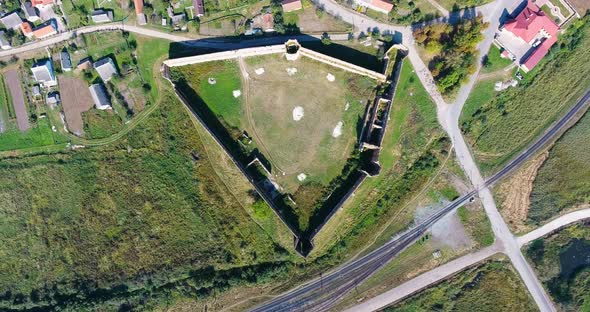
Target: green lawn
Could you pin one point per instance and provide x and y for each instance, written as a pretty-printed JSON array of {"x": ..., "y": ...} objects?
[
  {"x": 561, "y": 262},
  {"x": 494, "y": 61},
  {"x": 492, "y": 286},
  {"x": 477, "y": 224},
  {"x": 291, "y": 147},
  {"x": 504, "y": 125},
  {"x": 219, "y": 96},
  {"x": 78, "y": 11},
  {"x": 100, "y": 124},
  {"x": 39, "y": 134}
]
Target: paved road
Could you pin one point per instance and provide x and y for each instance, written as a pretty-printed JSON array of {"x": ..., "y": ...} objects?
[{"x": 554, "y": 225}]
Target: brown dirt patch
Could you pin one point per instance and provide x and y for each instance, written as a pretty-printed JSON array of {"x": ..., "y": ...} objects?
[
  {"x": 515, "y": 193},
  {"x": 581, "y": 6},
  {"x": 76, "y": 99},
  {"x": 310, "y": 22},
  {"x": 18, "y": 99}
]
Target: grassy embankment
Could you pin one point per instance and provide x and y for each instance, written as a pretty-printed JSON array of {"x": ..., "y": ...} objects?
[
  {"x": 492, "y": 286},
  {"x": 561, "y": 262},
  {"x": 501, "y": 126},
  {"x": 138, "y": 222}
]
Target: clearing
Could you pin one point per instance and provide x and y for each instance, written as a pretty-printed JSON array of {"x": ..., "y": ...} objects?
[{"x": 75, "y": 100}]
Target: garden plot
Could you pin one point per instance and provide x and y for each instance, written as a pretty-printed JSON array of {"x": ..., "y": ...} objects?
[{"x": 75, "y": 100}]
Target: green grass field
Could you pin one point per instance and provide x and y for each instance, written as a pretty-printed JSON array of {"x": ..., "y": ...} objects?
[
  {"x": 494, "y": 61},
  {"x": 563, "y": 181},
  {"x": 502, "y": 126},
  {"x": 122, "y": 223},
  {"x": 561, "y": 262},
  {"x": 492, "y": 286},
  {"x": 477, "y": 224}
]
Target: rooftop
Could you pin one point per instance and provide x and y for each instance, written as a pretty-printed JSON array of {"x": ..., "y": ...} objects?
[
  {"x": 11, "y": 20},
  {"x": 106, "y": 68},
  {"x": 99, "y": 96},
  {"x": 43, "y": 71},
  {"x": 291, "y": 5}
]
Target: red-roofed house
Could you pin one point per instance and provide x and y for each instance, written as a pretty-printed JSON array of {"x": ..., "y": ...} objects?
[
  {"x": 45, "y": 31},
  {"x": 27, "y": 29},
  {"x": 528, "y": 36},
  {"x": 382, "y": 6},
  {"x": 41, "y": 2},
  {"x": 292, "y": 5}
]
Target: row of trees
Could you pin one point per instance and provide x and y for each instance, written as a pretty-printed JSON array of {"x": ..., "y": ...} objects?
[{"x": 454, "y": 47}]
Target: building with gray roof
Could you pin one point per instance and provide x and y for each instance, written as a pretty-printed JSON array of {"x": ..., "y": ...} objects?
[
  {"x": 65, "y": 61},
  {"x": 4, "y": 43},
  {"x": 106, "y": 68},
  {"x": 43, "y": 73},
  {"x": 102, "y": 16},
  {"x": 30, "y": 12},
  {"x": 99, "y": 96},
  {"x": 11, "y": 21}
]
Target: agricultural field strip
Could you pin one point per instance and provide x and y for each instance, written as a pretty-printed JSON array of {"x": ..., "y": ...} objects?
[{"x": 274, "y": 49}]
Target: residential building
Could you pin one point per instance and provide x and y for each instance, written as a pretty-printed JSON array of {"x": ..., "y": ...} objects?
[
  {"x": 42, "y": 3},
  {"x": 141, "y": 18},
  {"x": 11, "y": 21},
  {"x": 528, "y": 37},
  {"x": 65, "y": 60},
  {"x": 84, "y": 64},
  {"x": 291, "y": 5},
  {"x": 177, "y": 19},
  {"x": 102, "y": 16},
  {"x": 263, "y": 22},
  {"x": 36, "y": 91},
  {"x": 53, "y": 98},
  {"x": 27, "y": 29},
  {"x": 382, "y": 6},
  {"x": 4, "y": 43},
  {"x": 30, "y": 12},
  {"x": 199, "y": 8},
  {"x": 43, "y": 73},
  {"x": 99, "y": 96},
  {"x": 45, "y": 30},
  {"x": 106, "y": 68}
]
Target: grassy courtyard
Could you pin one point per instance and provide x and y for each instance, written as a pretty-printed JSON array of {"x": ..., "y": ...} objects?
[{"x": 304, "y": 153}]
